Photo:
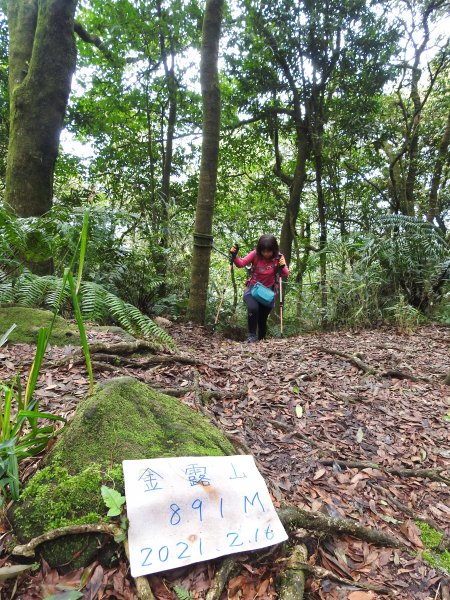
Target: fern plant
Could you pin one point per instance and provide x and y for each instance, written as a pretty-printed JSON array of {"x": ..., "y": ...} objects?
[
  {"x": 182, "y": 594},
  {"x": 399, "y": 272},
  {"x": 58, "y": 234},
  {"x": 96, "y": 303},
  {"x": 415, "y": 257}
]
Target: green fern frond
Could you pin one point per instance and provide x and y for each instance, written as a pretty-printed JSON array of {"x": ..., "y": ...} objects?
[
  {"x": 131, "y": 319},
  {"x": 182, "y": 594},
  {"x": 97, "y": 303},
  {"x": 6, "y": 289}
]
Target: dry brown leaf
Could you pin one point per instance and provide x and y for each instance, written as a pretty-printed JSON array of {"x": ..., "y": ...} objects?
[{"x": 361, "y": 595}]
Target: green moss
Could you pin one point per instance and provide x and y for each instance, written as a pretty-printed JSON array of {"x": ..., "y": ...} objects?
[
  {"x": 438, "y": 561},
  {"x": 60, "y": 499},
  {"x": 431, "y": 539},
  {"x": 54, "y": 498},
  {"x": 127, "y": 419},
  {"x": 429, "y": 536},
  {"x": 30, "y": 320}
]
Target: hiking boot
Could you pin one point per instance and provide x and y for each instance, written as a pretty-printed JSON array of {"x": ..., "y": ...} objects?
[{"x": 251, "y": 338}]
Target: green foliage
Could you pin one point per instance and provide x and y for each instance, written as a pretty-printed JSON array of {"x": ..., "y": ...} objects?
[
  {"x": 113, "y": 500},
  {"x": 140, "y": 243},
  {"x": 415, "y": 255},
  {"x": 398, "y": 273},
  {"x": 182, "y": 594},
  {"x": 96, "y": 303},
  {"x": 403, "y": 315},
  {"x": 18, "y": 285},
  {"x": 20, "y": 437}
]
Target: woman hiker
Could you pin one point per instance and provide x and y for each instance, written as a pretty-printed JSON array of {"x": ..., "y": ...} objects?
[{"x": 265, "y": 261}]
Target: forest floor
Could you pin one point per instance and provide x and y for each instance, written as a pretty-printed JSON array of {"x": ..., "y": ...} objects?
[{"x": 316, "y": 411}]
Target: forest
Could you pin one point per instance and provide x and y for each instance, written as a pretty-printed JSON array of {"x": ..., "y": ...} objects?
[{"x": 141, "y": 141}]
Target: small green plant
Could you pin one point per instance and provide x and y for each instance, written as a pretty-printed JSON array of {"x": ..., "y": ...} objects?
[
  {"x": 182, "y": 594},
  {"x": 20, "y": 436},
  {"x": 113, "y": 500},
  {"x": 66, "y": 594},
  {"x": 403, "y": 315},
  {"x": 5, "y": 336}
]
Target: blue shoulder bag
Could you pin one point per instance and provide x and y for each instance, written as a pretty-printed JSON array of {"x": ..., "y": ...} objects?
[{"x": 262, "y": 294}]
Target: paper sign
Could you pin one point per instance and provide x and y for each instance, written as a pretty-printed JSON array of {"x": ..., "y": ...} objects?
[{"x": 193, "y": 508}]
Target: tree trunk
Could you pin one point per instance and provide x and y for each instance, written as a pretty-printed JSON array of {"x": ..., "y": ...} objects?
[
  {"x": 433, "y": 204},
  {"x": 317, "y": 136},
  {"x": 302, "y": 263},
  {"x": 209, "y": 77},
  {"x": 296, "y": 189},
  {"x": 42, "y": 57}
]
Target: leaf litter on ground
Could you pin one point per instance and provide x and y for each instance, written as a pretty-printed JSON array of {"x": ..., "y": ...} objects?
[{"x": 302, "y": 404}]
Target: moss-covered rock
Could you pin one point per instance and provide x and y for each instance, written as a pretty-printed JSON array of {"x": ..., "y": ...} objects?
[
  {"x": 30, "y": 320},
  {"x": 123, "y": 420}
]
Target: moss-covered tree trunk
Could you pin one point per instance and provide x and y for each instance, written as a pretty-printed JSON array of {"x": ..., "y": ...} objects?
[
  {"x": 42, "y": 58},
  {"x": 210, "y": 154}
]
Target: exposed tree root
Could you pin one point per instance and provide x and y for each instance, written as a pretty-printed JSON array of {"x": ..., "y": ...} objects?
[
  {"x": 369, "y": 370},
  {"x": 28, "y": 550},
  {"x": 402, "y": 375},
  {"x": 143, "y": 589},
  {"x": 350, "y": 358},
  {"x": 123, "y": 347},
  {"x": 119, "y": 361},
  {"x": 295, "y": 434},
  {"x": 293, "y": 518},
  {"x": 445, "y": 542},
  {"x": 432, "y": 474},
  {"x": 293, "y": 581},
  {"x": 292, "y": 585},
  {"x": 227, "y": 568},
  {"x": 321, "y": 573}
]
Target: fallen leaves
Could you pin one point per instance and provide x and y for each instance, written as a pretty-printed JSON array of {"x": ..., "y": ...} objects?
[{"x": 320, "y": 406}]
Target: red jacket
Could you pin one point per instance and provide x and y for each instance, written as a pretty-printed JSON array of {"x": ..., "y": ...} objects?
[{"x": 263, "y": 270}]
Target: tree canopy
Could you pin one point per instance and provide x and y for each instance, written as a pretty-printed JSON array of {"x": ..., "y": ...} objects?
[{"x": 335, "y": 120}]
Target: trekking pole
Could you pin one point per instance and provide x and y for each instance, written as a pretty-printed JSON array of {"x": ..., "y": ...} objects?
[
  {"x": 281, "y": 306},
  {"x": 280, "y": 281},
  {"x": 231, "y": 257}
]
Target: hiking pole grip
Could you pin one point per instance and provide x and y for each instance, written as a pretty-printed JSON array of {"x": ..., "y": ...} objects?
[{"x": 233, "y": 255}]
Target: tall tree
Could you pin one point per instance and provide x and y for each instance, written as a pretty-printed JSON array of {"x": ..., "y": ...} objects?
[
  {"x": 418, "y": 76},
  {"x": 42, "y": 59},
  {"x": 209, "y": 78}
]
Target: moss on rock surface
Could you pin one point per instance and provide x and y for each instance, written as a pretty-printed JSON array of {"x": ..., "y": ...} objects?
[
  {"x": 123, "y": 420},
  {"x": 30, "y": 320}
]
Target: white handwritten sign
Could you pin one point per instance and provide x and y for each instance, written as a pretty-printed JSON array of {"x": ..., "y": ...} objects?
[{"x": 194, "y": 508}]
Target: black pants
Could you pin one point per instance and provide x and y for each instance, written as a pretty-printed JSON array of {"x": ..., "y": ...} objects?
[{"x": 257, "y": 316}]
